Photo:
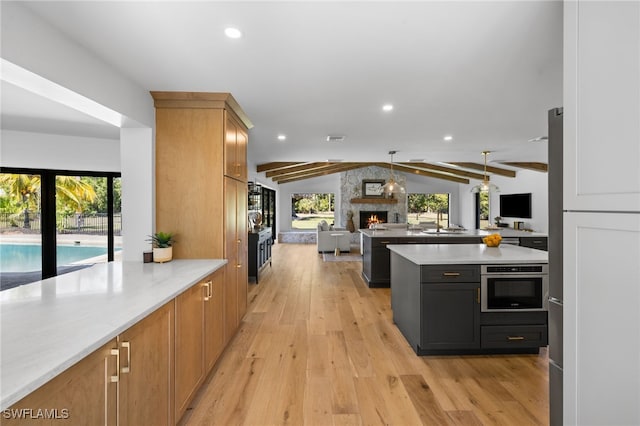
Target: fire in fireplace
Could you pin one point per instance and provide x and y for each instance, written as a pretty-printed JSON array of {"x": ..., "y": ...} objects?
[{"x": 368, "y": 217}]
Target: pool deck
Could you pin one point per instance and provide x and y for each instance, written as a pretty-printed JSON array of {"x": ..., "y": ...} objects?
[{"x": 63, "y": 239}]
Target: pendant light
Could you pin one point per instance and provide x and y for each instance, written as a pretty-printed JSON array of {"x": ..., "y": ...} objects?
[
  {"x": 392, "y": 187},
  {"x": 485, "y": 186}
]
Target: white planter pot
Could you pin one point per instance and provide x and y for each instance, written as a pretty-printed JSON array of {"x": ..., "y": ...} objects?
[{"x": 161, "y": 255}]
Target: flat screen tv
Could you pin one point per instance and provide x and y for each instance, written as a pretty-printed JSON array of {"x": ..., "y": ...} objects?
[{"x": 515, "y": 205}]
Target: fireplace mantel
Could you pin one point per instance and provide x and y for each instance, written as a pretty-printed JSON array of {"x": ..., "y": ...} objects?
[{"x": 374, "y": 201}]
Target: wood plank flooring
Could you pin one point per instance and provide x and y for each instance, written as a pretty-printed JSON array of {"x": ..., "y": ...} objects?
[{"x": 318, "y": 347}]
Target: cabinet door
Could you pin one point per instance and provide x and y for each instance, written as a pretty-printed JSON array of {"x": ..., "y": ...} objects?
[
  {"x": 450, "y": 316},
  {"x": 243, "y": 252},
  {"x": 601, "y": 315},
  {"x": 213, "y": 319},
  {"x": 232, "y": 243},
  {"x": 146, "y": 372},
  {"x": 241, "y": 153},
  {"x": 189, "y": 369},
  {"x": 230, "y": 151},
  {"x": 602, "y": 105},
  {"x": 380, "y": 265},
  {"x": 84, "y": 394}
]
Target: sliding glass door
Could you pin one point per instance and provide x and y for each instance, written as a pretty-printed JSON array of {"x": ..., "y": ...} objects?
[
  {"x": 53, "y": 222},
  {"x": 20, "y": 229}
]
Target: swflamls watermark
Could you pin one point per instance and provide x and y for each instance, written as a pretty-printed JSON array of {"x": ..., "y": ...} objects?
[{"x": 36, "y": 413}]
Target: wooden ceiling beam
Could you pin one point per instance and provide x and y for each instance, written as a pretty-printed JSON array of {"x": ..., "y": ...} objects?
[
  {"x": 276, "y": 165},
  {"x": 495, "y": 170},
  {"x": 306, "y": 172},
  {"x": 301, "y": 168},
  {"x": 452, "y": 170},
  {"x": 339, "y": 167},
  {"x": 531, "y": 165},
  {"x": 424, "y": 173}
]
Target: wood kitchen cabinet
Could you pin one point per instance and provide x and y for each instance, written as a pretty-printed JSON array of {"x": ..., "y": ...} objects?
[
  {"x": 146, "y": 370},
  {"x": 201, "y": 185},
  {"x": 199, "y": 337},
  {"x": 236, "y": 282},
  {"x": 235, "y": 150},
  {"x": 84, "y": 394},
  {"x": 128, "y": 381}
]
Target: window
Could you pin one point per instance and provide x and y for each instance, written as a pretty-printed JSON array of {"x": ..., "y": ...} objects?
[
  {"x": 307, "y": 210},
  {"x": 482, "y": 210},
  {"x": 53, "y": 222},
  {"x": 429, "y": 208}
]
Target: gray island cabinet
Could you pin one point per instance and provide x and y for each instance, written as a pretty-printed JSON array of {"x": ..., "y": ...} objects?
[
  {"x": 376, "y": 258},
  {"x": 436, "y": 300}
]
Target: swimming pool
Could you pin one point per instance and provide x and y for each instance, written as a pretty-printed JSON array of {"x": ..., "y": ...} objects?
[{"x": 28, "y": 257}]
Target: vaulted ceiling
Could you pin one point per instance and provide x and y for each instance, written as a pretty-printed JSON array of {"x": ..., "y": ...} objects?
[{"x": 484, "y": 73}]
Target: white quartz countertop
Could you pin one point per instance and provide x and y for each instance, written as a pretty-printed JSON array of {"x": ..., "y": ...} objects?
[
  {"x": 391, "y": 233},
  {"x": 49, "y": 325},
  {"x": 447, "y": 254}
]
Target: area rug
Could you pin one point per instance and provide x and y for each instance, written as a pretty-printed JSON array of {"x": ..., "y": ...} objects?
[{"x": 344, "y": 257}]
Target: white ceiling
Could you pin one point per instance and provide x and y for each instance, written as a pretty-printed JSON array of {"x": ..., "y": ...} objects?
[{"x": 484, "y": 72}]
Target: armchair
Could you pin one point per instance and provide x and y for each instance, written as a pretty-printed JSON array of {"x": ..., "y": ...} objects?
[{"x": 326, "y": 239}]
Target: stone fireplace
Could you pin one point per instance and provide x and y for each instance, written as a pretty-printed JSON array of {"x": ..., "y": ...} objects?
[{"x": 367, "y": 217}]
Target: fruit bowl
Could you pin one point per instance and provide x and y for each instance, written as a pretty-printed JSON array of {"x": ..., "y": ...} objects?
[{"x": 492, "y": 240}]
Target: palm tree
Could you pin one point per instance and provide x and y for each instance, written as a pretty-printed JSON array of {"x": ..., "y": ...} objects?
[
  {"x": 23, "y": 188},
  {"x": 70, "y": 191}
]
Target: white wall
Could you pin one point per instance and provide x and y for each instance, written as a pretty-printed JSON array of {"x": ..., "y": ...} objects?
[
  {"x": 525, "y": 181},
  {"x": 33, "y": 44},
  {"x": 61, "y": 152}
]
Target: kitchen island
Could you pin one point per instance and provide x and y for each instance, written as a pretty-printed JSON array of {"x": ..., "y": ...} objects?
[
  {"x": 436, "y": 299},
  {"x": 376, "y": 258},
  {"x": 51, "y": 327}
]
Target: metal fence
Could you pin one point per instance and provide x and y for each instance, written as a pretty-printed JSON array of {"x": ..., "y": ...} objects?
[{"x": 95, "y": 224}]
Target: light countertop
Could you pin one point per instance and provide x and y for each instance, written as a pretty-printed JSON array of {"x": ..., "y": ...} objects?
[
  {"x": 49, "y": 325},
  {"x": 394, "y": 232},
  {"x": 480, "y": 254}
]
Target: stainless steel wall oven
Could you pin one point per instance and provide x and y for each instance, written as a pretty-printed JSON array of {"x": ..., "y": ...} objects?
[{"x": 514, "y": 288}]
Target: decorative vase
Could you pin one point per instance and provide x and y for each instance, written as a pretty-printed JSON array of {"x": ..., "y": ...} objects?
[{"x": 161, "y": 255}]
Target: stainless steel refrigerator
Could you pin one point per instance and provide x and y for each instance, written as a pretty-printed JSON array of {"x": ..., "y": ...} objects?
[{"x": 555, "y": 265}]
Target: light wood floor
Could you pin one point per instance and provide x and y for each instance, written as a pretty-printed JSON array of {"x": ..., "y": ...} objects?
[{"x": 318, "y": 347}]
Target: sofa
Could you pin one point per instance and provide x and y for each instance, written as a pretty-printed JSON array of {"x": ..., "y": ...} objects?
[{"x": 327, "y": 243}]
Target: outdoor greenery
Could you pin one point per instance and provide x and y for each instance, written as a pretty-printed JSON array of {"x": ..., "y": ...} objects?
[
  {"x": 484, "y": 209},
  {"x": 75, "y": 196},
  {"x": 425, "y": 207}
]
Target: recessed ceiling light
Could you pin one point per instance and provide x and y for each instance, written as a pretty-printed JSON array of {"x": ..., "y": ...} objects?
[
  {"x": 387, "y": 107},
  {"x": 539, "y": 139},
  {"x": 232, "y": 32},
  {"x": 335, "y": 138},
  {"x": 448, "y": 138},
  {"x": 334, "y": 160},
  {"x": 416, "y": 160},
  {"x": 282, "y": 137}
]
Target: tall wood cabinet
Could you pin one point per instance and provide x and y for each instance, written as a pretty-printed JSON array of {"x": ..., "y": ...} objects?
[{"x": 201, "y": 185}]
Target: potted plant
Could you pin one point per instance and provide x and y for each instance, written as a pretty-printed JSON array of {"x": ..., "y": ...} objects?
[{"x": 162, "y": 246}]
